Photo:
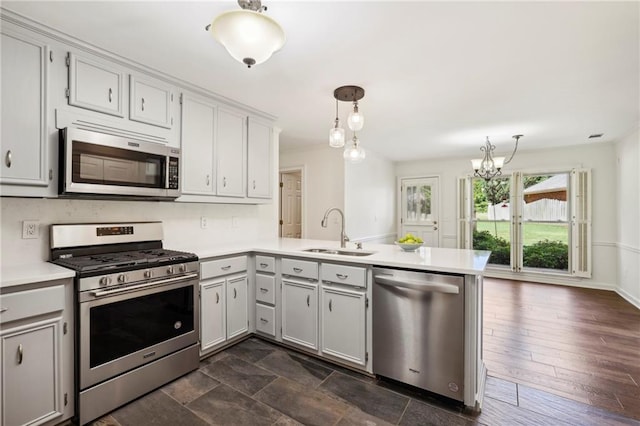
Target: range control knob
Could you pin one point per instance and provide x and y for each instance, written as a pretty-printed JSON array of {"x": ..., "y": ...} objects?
[
  {"x": 105, "y": 281},
  {"x": 148, "y": 274},
  {"x": 182, "y": 268},
  {"x": 122, "y": 278},
  {"x": 170, "y": 270}
]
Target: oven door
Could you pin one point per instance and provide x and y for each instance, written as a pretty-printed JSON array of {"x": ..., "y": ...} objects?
[
  {"x": 122, "y": 330},
  {"x": 99, "y": 164}
]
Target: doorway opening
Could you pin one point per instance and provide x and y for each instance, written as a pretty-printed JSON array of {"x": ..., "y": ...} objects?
[{"x": 291, "y": 203}]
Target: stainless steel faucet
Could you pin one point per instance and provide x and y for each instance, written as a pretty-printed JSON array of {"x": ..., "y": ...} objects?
[{"x": 343, "y": 236}]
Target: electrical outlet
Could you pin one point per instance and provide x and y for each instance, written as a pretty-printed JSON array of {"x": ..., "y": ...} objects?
[
  {"x": 203, "y": 222},
  {"x": 30, "y": 229}
]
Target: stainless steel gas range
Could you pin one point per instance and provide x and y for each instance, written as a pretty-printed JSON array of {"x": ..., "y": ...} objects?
[{"x": 136, "y": 311}]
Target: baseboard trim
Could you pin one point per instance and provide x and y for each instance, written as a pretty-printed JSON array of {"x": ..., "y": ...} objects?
[
  {"x": 550, "y": 279},
  {"x": 628, "y": 297}
]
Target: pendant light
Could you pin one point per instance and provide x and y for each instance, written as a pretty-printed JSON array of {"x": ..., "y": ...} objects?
[
  {"x": 355, "y": 121},
  {"x": 336, "y": 134},
  {"x": 354, "y": 152},
  {"x": 249, "y": 36}
]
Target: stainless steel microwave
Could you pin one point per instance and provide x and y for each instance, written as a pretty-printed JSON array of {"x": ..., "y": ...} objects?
[{"x": 103, "y": 166}]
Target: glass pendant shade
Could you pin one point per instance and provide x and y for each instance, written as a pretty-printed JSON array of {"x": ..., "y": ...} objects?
[
  {"x": 355, "y": 120},
  {"x": 336, "y": 137},
  {"x": 354, "y": 153},
  {"x": 249, "y": 37}
]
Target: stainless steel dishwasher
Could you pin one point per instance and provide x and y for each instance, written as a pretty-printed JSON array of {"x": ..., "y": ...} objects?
[{"x": 418, "y": 329}]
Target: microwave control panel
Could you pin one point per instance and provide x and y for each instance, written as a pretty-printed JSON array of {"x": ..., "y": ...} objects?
[{"x": 173, "y": 173}]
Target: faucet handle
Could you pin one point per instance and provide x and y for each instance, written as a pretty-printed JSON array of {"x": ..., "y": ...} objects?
[
  {"x": 346, "y": 237},
  {"x": 359, "y": 245}
]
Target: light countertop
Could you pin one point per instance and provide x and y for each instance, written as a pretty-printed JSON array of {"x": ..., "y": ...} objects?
[
  {"x": 426, "y": 258},
  {"x": 32, "y": 273}
]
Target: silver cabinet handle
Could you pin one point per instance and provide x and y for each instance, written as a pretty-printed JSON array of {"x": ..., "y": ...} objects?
[
  {"x": 217, "y": 298},
  {"x": 264, "y": 320},
  {"x": 342, "y": 277},
  {"x": 235, "y": 293},
  {"x": 208, "y": 180},
  {"x": 298, "y": 270},
  {"x": 435, "y": 228},
  {"x": 254, "y": 184},
  {"x": 110, "y": 94},
  {"x": 308, "y": 300},
  {"x": 7, "y": 159},
  {"x": 264, "y": 290},
  {"x": 20, "y": 353},
  {"x": 224, "y": 181},
  {"x": 3, "y": 310},
  {"x": 226, "y": 268},
  {"x": 425, "y": 286},
  {"x": 330, "y": 305},
  {"x": 264, "y": 265},
  {"x": 143, "y": 104}
]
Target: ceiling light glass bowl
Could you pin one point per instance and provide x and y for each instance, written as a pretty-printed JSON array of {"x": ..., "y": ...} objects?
[{"x": 249, "y": 37}]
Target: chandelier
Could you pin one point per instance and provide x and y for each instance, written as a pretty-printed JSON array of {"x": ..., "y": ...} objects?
[
  {"x": 249, "y": 36},
  {"x": 353, "y": 152},
  {"x": 489, "y": 166}
]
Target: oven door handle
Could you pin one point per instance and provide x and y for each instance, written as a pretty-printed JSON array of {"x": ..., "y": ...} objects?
[{"x": 145, "y": 285}]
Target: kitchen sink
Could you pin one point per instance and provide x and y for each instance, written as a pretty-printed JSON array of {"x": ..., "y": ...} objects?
[{"x": 341, "y": 252}]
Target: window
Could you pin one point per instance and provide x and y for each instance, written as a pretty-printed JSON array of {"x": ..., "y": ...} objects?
[{"x": 531, "y": 222}]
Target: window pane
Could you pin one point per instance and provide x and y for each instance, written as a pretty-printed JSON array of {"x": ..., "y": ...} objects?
[
  {"x": 492, "y": 215},
  {"x": 418, "y": 202},
  {"x": 545, "y": 222}
]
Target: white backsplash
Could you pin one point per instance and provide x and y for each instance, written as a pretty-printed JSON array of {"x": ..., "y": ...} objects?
[{"x": 225, "y": 222}]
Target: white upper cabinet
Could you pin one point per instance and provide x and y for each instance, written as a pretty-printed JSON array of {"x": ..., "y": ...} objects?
[
  {"x": 95, "y": 85},
  {"x": 24, "y": 79},
  {"x": 231, "y": 154},
  {"x": 259, "y": 164},
  {"x": 150, "y": 101},
  {"x": 198, "y": 136}
]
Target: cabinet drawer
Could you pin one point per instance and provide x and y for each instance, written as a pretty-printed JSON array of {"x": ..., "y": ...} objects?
[
  {"x": 230, "y": 265},
  {"x": 266, "y": 319},
  {"x": 265, "y": 264},
  {"x": 300, "y": 268},
  {"x": 29, "y": 303},
  {"x": 342, "y": 274},
  {"x": 265, "y": 286}
]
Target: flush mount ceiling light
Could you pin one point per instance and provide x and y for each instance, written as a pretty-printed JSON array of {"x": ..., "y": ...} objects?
[
  {"x": 355, "y": 121},
  {"x": 249, "y": 36},
  {"x": 489, "y": 167}
]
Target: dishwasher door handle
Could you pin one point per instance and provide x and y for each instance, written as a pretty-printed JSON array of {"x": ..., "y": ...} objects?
[{"x": 426, "y": 286}]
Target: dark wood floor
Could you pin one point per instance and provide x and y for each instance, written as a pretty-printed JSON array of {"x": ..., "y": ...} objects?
[{"x": 577, "y": 343}]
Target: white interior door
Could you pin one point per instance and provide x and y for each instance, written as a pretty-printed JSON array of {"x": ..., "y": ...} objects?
[
  {"x": 419, "y": 209},
  {"x": 291, "y": 204}
]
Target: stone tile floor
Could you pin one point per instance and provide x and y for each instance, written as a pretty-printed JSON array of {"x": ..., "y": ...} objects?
[{"x": 258, "y": 383}]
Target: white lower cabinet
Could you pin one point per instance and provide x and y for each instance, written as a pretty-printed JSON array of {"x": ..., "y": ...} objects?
[
  {"x": 237, "y": 309},
  {"x": 36, "y": 340},
  {"x": 343, "y": 324},
  {"x": 300, "y": 313},
  {"x": 213, "y": 314}
]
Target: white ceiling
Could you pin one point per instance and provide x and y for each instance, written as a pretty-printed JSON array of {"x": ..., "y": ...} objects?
[{"x": 438, "y": 76}]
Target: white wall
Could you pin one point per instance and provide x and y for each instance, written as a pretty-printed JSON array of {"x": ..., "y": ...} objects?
[
  {"x": 628, "y": 217},
  {"x": 322, "y": 187},
  {"x": 181, "y": 222},
  {"x": 369, "y": 199},
  {"x": 599, "y": 157}
]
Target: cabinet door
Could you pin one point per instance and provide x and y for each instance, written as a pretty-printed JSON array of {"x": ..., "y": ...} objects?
[
  {"x": 150, "y": 102},
  {"x": 230, "y": 143},
  {"x": 259, "y": 154},
  {"x": 198, "y": 131},
  {"x": 343, "y": 324},
  {"x": 212, "y": 314},
  {"x": 31, "y": 374},
  {"x": 237, "y": 308},
  {"x": 300, "y": 313},
  {"x": 24, "y": 69},
  {"x": 95, "y": 86}
]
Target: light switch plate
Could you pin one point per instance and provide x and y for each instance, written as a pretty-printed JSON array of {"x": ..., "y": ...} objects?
[{"x": 30, "y": 229}]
